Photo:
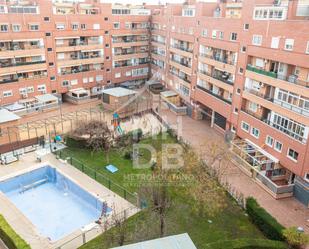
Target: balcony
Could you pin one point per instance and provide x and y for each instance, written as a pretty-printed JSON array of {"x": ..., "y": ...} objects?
[
  {"x": 285, "y": 105},
  {"x": 218, "y": 58},
  {"x": 213, "y": 94},
  {"x": 184, "y": 78},
  {"x": 284, "y": 130},
  {"x": 290, "y": 79},
  {"x": 158, "y": 41},
  {"x": 263, "y": 168},
  {"x": 130, "y": 55},
  {"x": 22, "y": 67},
  {"x": 183, "y": 66},
  {"x": 80, "y": 60},
  {"x": 183, "y": 48},
  {"x": 2, "y": 65},
  {"x": 218, "y": 76}
]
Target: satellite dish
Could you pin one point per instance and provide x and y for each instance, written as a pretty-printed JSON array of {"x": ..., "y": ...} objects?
[{"x": 229, "y": 136}]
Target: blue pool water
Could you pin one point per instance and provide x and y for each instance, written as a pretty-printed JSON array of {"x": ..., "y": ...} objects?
[{"x": 53, "y": 203}]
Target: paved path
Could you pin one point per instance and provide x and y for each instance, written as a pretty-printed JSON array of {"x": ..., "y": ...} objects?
[{"x": 289, "y": 211}]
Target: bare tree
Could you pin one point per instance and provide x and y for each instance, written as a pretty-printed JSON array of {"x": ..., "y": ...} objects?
[
  {"x": 97, "y": 135},
  {"x": 118, "y": 228}
]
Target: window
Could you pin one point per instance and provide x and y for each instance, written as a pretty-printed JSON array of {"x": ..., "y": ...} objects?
[
  {"x": 60, "y": 26},
  {"x": 60, "y": 56},
  {"x": 33, "y": 27},
  {"x": 235, "y": 110},
  {"x": 7, "y": 94},
  {"x": 16, "y": 27},
  {"x": 246, "y": 26},
  {"x": 51, "y": 64},
  {"x": 75, "y": 26},
  {"x": 74, "y": 82},
  {"x": 30, "y": 89},
  {"x": 307, "y": 49},
  {"x": 204, "y": 33},
  {"x": 52, "y": 78},
  {"x": 107, "y": 45},
  {"x": 269, "y": 141},
  {"x": 241, "y": 70},
  {"x": 257, "y": 40},
  {"x": 255, "y": 132},
  {"x": 306, "y": 177},
  {"x": 48, "y": 34},
  {"x": 49, "y": 49},
  {"x": 278, "y": 146},
  {"x": 221, "y": 35},
  {"x": 99, "y": 78},
  {"x": 292, "y": 154},
  {"x": 243, "y": 49},
  {"x": 253, "y": 106},
  {"x": 270, "y": 13},
  {"x": 85, "y": 80},
  {"x": 65, "y": 83},
  {"x": 4, "y": 27},
  {"x": 24, "y": 9},
  {"x": 275, "y": 42},
  {"x": 116, "y": 25},
  {"x": 117, "y": 75},
  {"x": 3, "y": 9},
  {"x": 41, "y": 88},
  {"x": 128, "y": 73},
  {"x": 233, "y": 36},
  {"x": 96, "y": 26},
  {"x": 214, "y": 34},
  {"x": 83, "y": 26},
  {"x": 188, "y": 12},
  {"x": 245, "y": 126},
  {"x": 106, "y": 32},
  {"x": 46, "y": 19},
  {"x": 289, "y": 44}
]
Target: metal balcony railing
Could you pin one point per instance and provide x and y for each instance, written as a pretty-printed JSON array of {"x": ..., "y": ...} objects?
[
  {"x": 217, "y": 58},
  {"x": 186, "y": 49},
  {"x": 217, "y": 77}
]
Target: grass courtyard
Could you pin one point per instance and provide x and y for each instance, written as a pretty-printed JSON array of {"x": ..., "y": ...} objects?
[{"x": 232, "y": 224}]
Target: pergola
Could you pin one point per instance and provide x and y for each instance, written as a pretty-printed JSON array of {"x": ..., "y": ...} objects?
[{"x": 253, "y": 155}]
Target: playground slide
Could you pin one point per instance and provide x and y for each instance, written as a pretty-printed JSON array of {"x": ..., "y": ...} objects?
[{"x": 120, "y": 130}]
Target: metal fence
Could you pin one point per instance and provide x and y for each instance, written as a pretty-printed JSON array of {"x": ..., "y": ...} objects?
[{"x": 104, "y": 180}]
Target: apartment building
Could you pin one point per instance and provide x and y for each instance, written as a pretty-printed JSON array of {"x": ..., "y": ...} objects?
[
  {"x": 71, "y": 48},
  {"x": 241, "y": 65},
  {"x": 244, "y": 66}
]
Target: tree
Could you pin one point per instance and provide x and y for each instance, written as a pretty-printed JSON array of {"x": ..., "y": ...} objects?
[
  {"x": 97, "y": 135},
  {"x": 209, "y": 197},
  {"x": 295, "y": 238},
  {"x": 119, "y": 229}
]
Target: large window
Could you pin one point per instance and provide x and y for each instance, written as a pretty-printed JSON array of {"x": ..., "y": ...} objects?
[
  {"x": 288, "y": 126},
  {"x": 269, "y": 13},
  {"x": 24, "y": 9},
  {"x": 245, "y": 126},
  {"x": 257, "y": 40}
]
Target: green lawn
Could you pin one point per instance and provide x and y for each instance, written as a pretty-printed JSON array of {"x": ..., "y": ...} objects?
[{"x": 230, "y": 224}]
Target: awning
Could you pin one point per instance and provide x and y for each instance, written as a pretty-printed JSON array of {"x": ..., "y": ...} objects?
[
  {"x": 46, "y": 98},
  {"x": 167, "y": 94}
]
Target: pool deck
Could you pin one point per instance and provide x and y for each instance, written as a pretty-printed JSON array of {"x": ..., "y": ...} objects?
[{"x": 28, "y": 231}]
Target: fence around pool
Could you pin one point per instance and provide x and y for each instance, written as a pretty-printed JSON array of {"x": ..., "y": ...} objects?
[{"x": 104, "y": 180}]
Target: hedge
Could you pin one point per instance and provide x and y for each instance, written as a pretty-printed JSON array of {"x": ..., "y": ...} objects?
[
  {"x": 247, "y": 244},
  {"x": 271, "y": 228},
  {"x": 75, "y": 143},
  {"x": 11, "y": 239}
]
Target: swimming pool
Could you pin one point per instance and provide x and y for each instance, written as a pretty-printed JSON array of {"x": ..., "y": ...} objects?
[{"x": 54, "y": 204}]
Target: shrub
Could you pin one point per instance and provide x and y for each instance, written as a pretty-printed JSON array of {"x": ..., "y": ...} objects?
[
  {"x": 265, "y": 222},
  {"x": 9, "y": 237},
  {"x": 295, "y": 238},
  {"x": 127, "y": 155},
  {"x": 247, "y": 244},
  {"x": 75, "y": 143},
  {"x": 135, "y": 135}
]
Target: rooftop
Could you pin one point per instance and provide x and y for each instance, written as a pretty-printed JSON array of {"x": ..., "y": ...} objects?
[
  {"x": 119, "y": 92},
  {"x": 7, "y": 116},
  {"x": 180, "y": 241}
]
